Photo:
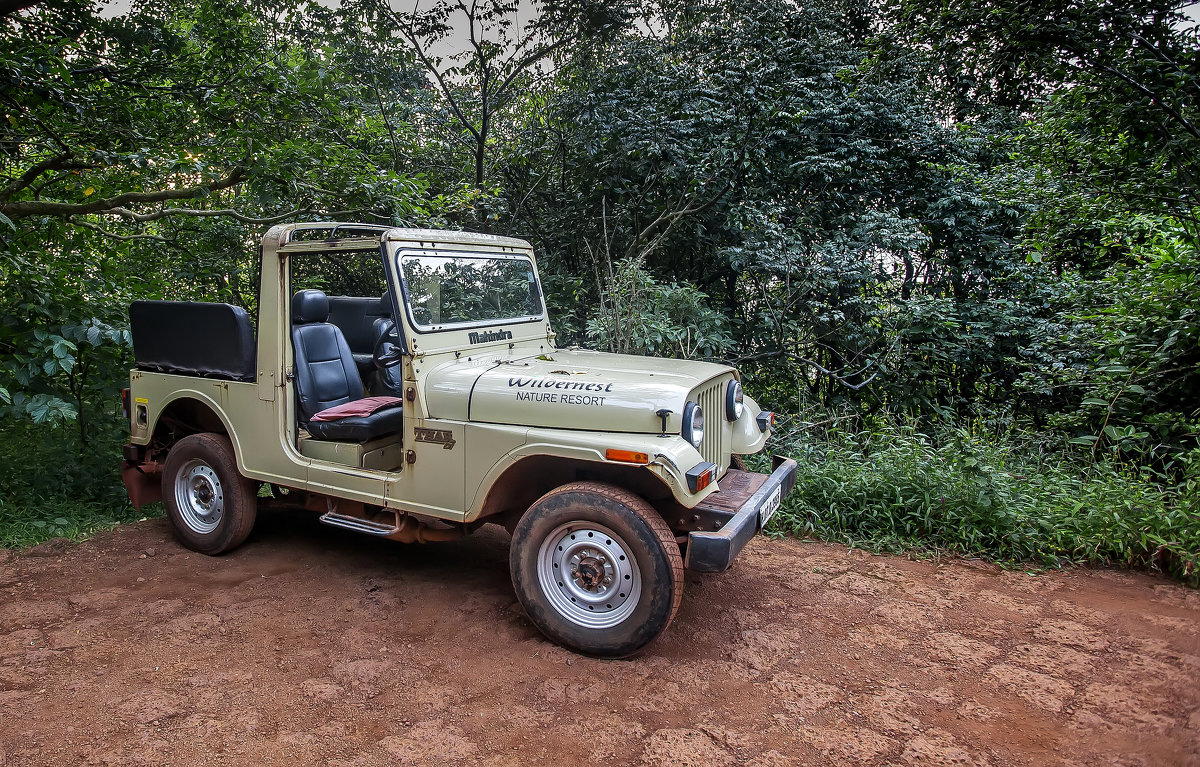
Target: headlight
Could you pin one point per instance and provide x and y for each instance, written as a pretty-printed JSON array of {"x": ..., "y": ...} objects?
[
  {"x": 733, "y": 401},
  {"x": 693, "y": 424}
]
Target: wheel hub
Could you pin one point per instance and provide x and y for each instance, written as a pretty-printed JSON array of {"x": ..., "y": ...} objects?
[
  {"x": 589, "y": 574},
  {"x": 202, "y": 491},
  {"x": 199, "y": 496},
  {"x": 593, "y": 571}
]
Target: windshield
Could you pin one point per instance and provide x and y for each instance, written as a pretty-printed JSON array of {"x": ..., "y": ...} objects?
[{"x": 464, "y": 290}]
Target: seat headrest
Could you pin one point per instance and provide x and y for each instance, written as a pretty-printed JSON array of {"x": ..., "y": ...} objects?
[
  {"x": 385, "y": 305},
  {"x": 309, "y": 306}
]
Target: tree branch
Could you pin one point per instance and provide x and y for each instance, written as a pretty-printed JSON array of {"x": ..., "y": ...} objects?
[
  {"x": 1155, "y": 99},
  {"x": 834, "y": 374},
  {"x": 667, "y": 219},
  {"x": 24, "y": 208},
  {"x": 407, "y": 31},
  {"x": 130, "y": 215},
  {"x": 59, "y": 161},
  {"x": 115, "y": 236},
  {"x": 532, "y": 58}
]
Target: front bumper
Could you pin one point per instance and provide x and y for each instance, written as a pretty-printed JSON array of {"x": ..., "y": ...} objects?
[{"x": 713, "y": 552}]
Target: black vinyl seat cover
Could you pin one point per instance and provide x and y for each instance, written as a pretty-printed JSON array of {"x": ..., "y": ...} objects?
[
  {"x": 327, "y": 376},
  {"x": 193, "y": 338}
]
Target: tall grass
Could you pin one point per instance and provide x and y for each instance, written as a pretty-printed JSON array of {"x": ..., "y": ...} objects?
[
  {"x": 50, "y": 488},
  {"x": 990, "y": 495}
]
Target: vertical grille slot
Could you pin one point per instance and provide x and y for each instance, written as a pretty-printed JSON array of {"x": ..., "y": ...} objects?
[{"x": 717, "y": 431}]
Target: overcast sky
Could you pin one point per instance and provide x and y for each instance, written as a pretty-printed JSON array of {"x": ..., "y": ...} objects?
[{"x": 118, "y": 7}]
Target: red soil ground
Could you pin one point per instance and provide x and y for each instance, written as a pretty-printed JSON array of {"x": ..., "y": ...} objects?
[{"x": 313, "y": 646}]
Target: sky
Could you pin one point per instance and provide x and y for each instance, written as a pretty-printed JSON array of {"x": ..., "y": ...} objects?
[
  {"x": 451, "y": 45},
  {"x": 118, "y": 7}
]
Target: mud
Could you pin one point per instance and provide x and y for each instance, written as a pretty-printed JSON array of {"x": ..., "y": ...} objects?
[{"x": 313, "y": 646}]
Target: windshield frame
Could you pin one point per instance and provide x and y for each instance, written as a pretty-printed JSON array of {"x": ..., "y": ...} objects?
[{"x": 423, "y": 329}]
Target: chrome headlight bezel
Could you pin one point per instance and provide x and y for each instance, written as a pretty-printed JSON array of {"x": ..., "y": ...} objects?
[
  {"x": 693, "y": 424},
  {"x": 734, "y": 401}
]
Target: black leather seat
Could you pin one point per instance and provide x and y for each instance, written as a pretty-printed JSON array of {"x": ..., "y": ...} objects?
[
  {"x": 326, "y": 375},
  {"x": 356, "y": 318}
]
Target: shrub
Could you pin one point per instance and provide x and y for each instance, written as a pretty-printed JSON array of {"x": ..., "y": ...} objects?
[
  {"x": 51, "y": 488},
  {"x": 990, "y": 495}
]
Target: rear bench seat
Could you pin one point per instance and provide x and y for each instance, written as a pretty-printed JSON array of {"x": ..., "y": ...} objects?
[
  {"x": 355, "y": 317},
  {"x": 193, "y": 338}
]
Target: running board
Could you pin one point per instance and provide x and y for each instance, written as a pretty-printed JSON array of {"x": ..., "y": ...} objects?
[{"x": 358, "y": 524}]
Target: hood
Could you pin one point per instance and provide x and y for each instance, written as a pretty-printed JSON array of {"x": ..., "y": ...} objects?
[{"x": 572, "y": 389}]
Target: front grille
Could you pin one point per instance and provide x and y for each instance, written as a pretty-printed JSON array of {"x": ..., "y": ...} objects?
[{"x": 718, "y": 433}]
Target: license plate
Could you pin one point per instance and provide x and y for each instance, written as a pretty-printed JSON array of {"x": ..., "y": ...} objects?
[{"x": 770, "y": 506}]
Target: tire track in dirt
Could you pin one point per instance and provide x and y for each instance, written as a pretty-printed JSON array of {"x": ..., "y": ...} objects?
[{"x": 310, "y": 645}]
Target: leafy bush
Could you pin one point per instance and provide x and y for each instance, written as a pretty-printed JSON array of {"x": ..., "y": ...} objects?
[
  {"x": 640, "y": 315},
  {"x": 50, "y": 489},
  {"x": 1147, "y": 383},
  {"x": 972, "y": 493}
]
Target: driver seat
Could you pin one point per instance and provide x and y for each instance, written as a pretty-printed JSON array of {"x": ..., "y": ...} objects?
[{"x": 326, "y": 376}]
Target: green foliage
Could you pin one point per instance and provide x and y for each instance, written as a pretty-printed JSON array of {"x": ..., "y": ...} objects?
[
  {"x": 972, "y": 493},
  {"x": 639, "y": 315},
  {"x": 1145, "y": 390},
  {"x": 50, "y": 489},
  {"x": 1108, "y": 91}
]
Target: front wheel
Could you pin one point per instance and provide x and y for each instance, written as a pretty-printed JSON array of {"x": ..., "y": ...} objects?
[
  {"x": 596, "y": 569},
  {"x": 210, "y": 505}
]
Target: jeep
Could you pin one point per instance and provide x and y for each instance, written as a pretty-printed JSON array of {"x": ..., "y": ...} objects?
[{"x": 406, "y": 384}]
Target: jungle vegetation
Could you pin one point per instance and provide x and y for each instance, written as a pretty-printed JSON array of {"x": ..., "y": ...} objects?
[{"x": 953, "y": 245}]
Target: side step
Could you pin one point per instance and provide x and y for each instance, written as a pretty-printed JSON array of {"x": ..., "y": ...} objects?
[{"x": 358, "y": 524}]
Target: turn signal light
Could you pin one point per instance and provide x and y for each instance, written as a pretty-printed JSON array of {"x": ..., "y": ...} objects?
[
  {"x": 626, "y": 456},
  {"x": 766, "y": 420},
  {"x": 125, "y": 403},
  {"x": 701, "y": 476}
]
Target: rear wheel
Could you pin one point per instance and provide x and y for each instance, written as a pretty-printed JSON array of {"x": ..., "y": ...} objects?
[
  {"x": 596, "y": 569},
  {"x": 210, "y": 505}
]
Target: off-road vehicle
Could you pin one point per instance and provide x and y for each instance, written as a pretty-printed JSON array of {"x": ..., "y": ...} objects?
[{"x": 406, "y": 384}]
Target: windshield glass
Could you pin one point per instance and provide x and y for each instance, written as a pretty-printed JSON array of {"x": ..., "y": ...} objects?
[{"x": 464, "y": 290}]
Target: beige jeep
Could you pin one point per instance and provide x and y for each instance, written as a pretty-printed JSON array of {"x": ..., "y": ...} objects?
[{"x": 406, "y": 384}]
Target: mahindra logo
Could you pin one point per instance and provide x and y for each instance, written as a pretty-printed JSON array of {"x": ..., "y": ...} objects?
[{"x": 489, "y": 335}]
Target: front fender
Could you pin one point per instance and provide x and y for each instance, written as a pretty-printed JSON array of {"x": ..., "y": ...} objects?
[{"x": 670, "y": 458}]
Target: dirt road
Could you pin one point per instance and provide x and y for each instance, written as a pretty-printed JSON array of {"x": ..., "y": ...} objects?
[{"x": 313, "y": 646}]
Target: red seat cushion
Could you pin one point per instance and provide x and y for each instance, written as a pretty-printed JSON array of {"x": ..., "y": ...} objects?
[{"x": 356, "y": 407}]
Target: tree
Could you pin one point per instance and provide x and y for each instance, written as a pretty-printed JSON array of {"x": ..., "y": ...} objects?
[
  {"x": 479, "y": 81},
  {"x": 212, "y": 111},
  {"x": 142, "y": 156},
  {"x": 1111, "y": 90},
  {"x": 760, "y": 151}
]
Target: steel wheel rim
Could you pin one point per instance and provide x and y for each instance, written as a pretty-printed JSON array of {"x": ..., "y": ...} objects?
[
  {"x": 199, "y": 496},
  {"x": 589, "y": 575}
]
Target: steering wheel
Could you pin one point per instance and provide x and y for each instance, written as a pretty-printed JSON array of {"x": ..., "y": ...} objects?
[{"x": 388, "y": 352}]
